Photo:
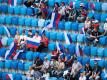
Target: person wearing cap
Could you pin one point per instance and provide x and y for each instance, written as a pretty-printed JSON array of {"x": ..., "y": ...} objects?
[
  {"x": 71, "y": 13},
  {"x": 88, "y": 70},
  {"x": 95, "y": 24},
  {"x": 82, "y": 13},
  {"x": 105, "y": 28},
  {"x": 62, "y": 10},
  {"x": 76, "y": 67},
  {"x": 96, "y": 72}
]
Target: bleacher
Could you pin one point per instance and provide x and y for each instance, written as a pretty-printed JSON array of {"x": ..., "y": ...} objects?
[{"x": 20, "y": 17}]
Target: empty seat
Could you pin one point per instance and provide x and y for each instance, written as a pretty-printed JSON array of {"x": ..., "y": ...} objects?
[
  {"x": 105, "y": 52},
  {"x": 23, "y": 10},
  {"x": 101, "y": 63},
  {"x": 14, "y": 64},
  {"x": 104, "y": 6},
  {"x": 8, "y": 20},
  {"x": 100, "y": 52},
  {"x": 53, "y": 35},
  {"x": 27, "y": 66},
  {"x": 9, "y": 41},
  {"x": 97, "y": 16},
  {"x": 51, "y": 3},
  {"x": 71, "y": 49},
  {"x": 10, "y": 9},
  {"x": 94, "y": 51},
  {"x": 29, "y": 55},
  {"x": 41, "y": 22},
  {"x": 75, "y": 26},
  {"x": 4, "y": 8},
  {"x": 51, "y": 46},
  {"x": 21, "y": 21},
  {"x": 103, "y": 17},
  {"x": 20, "y": 65},
  {"x": 68, "y": 25},
  {"x": 35, "y": 55},
  {"x": 15, "y": 20},
  {"x": 29, "y": 11},
  {"x": 28, "y": 21},
  {"x": 17, "y": 10},
  {"x": 42, "y": 56},
  {"x": 98, "y": 6},
  {"x": 34, "y": 22},
  {"x": 2, "y": 52},
  {"x": 80, "y": 38},
  {"x": 103, "y": 40},
  {"x": 8, "y": 64},
  {"x": 2, "y": 19},
  {"x": 61, "y": 25},
  {"x": 60, "y": 36},
  {"x": 85, "y": 60},
  {"x": 74, "y": 37},
  {"x": 19, "y": 2},
  {"x": 86, "y": 50}
]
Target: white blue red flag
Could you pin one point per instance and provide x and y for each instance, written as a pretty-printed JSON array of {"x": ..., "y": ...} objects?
[
  {"x": 11, "y": 52},
  {"x": 32, "y": 42},
  {"x": 79, "y": 51},
  {"x": 9, "y": 77},
  {"x": 7, "y": 31},
  {"x": 68, "y": 38}
]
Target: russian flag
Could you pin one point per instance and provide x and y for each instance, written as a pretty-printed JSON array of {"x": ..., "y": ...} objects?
[
  {"x": 32, "y": 42},
  {"x": 7, "y": 31},
  {"x": 68, "y": 38},
  {"x": 9, "y": 77},
  {"x": 16, "y": 56},
  {"x": 11, "y": 52},
  {"x": 12, "y": 2},
  {"x": 60, "y": 47},
  {"x": 79, "y": 51}
]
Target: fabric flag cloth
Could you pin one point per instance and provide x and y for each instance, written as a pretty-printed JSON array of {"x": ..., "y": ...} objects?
[
  {"x": 9, "y": 77},
  {"x": 32, "y": 43},
  {"x": 11, "y": 52},
  {"x": 7, "y": 31},
  {"x": 68, "y": 38},
  {"x": 83, "y": 31},
  {"x": 79, "y": 51},
  {"x": 18, "y": 53},
  {"x": 0, "y": 44},
  {"x": 15, "y": 2},
  {"x": 92, "y": 5}
]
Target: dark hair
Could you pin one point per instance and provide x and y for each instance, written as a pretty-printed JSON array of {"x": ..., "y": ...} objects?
[{"x": 56, "y": 4}]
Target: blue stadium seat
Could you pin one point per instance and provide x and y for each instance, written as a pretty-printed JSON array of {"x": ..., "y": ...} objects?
[
  {"x": 21, "y": 21},
  {"x": 104, "y": 6},
  {"x": 8, "y": 64},
  {"x": 35, "y": 55},
  {"x": 51, "y": 3},
  {"x": 22, "y": 56},
  {"x": 60, "y": 36},
  {"x": 1, "y": 75},
  {"x": 75, "y": 26},
  {"x": 86, "y": 50},
  {"x": 9, "y": 41},
  {"x": 20, "y": 30},
  {"x": 29, "y": 55},
  {"x": 98, "y": 6},
  {"x": 15, "y": 20},
  {"x": 85, "y": 60},
  {"x": 100, "y": 52},
  {"x": 28, "y": 21},
  {"x": 29, "y": 11},
  {"x": 4, "y": 8},
  {"x": 14, "y": 64},
  {"x": 105, "y": 64},
  {"x": 53, "y": 35},
  {"x": 27, "y": 66},
  {"x": 53, "y": 78},
  {"x": 34, "y": 22},
  {"x": 97, "y": 16},
  {"x": 74, "y": 37},
  {"x": 71, "y": 49},
  {"x": 1, "y": 30},
  {"x": 13, "y": 31},
  {"x": 90, "y": 14},
  {"x": 59, "y": 1},
  {"x": 80, "y": 26},
  {"x": 103, "y": 17},
  {"x": 2, "y": 64},
  {"x": 48, "y": 56},
  {"x": 18, "y": 76},
  {"x": 36, "y": 10},
  {"x": 19, "y": 2},
  {"x": 105, "y": 52},
  {"x": 51, "y": 46},
  {"x": 68, "y": 25},
  {"x": 77, "y": 4},
  {"x": 101, "y": 63},
  {"x": 61, "y": 25},
  {"x": 20, "y": 65},
  {"x": 80, "y": 38},
  {"x": 23, "y": 10},
  {"x": 17, "y": 10},
  {"x": 79, "y": 59},
  {"x": 4, "y": 75},
  {"x": 8, "y": 20},
  {"x": 10, "y": 9},
  {"x": 47, "y": 22},
  {"x": 92, "y": 63},
  {"x": 2, "y": 51},
  {"x": 93, "y": 51},
  {"x": 42, "y": 56},
  {"x": 41, "y": 22},
  {"x": 103, "y": 40},
  {"x": 4, "y": 41},
  {"x": 2, "y": 19}
]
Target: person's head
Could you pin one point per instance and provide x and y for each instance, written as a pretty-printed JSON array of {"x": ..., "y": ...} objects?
[
  {"x": 30, "y": 32},
  {"x": 87, "y": 19},
  {"x": 46, "y": 59},
  {"x": 75, "y": 61},
  {"x": 43, "y": 35},
  {"x": 81, "y": 5},
  {"x": 62, "y": 4},
  {"x": 31, "y": 68},
  {"x": 87, "y": 64},
  {"x": 37, "y": 33},
  {"x": 23, "y": 33},
  {"x": 17, "y": 32},
  {"x": 96, "y": 64},
  {"x": 56, "y": 4}
]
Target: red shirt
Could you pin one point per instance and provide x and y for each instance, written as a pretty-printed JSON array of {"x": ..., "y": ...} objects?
[
  {"x": 0, "y": 44},
  {"x": 45, "y": 40}
]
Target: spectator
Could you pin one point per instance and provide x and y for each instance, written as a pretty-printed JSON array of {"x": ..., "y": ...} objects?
[
  {"x": 96, "y": 73},
  {"x": 105, "y": 28},
  {"x": 82, "y": 76},
  {"x": 87, "y": 23},
  {"x": 82, "y": 13},
  {"x": 76, "y": 67},
  {"x": 44, "y": 43},
  {"x": 37, "y": 36},
  {"x": 94, "y": 36},
  {"x": 71, "y": 13},
  {"x": 46, "y": 65},
  {"x": 104, "y": 73},
  {"x": 88, "y": 70},
  {"x": 0, "y": 43},
  {"x": 95, "y": 24},
  {"x": 62, "y": 10},
  {"x": 56, "y": 7},
  {"x": 30, "y": 33}
]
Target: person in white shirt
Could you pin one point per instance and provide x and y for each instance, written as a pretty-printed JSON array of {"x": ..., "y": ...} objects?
[
  {"x": 76, "y": 66},
  {"x": 105, "y": 28},
  {"x": 82, "y": 76},
  {"x": 37, "y": 36}
]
